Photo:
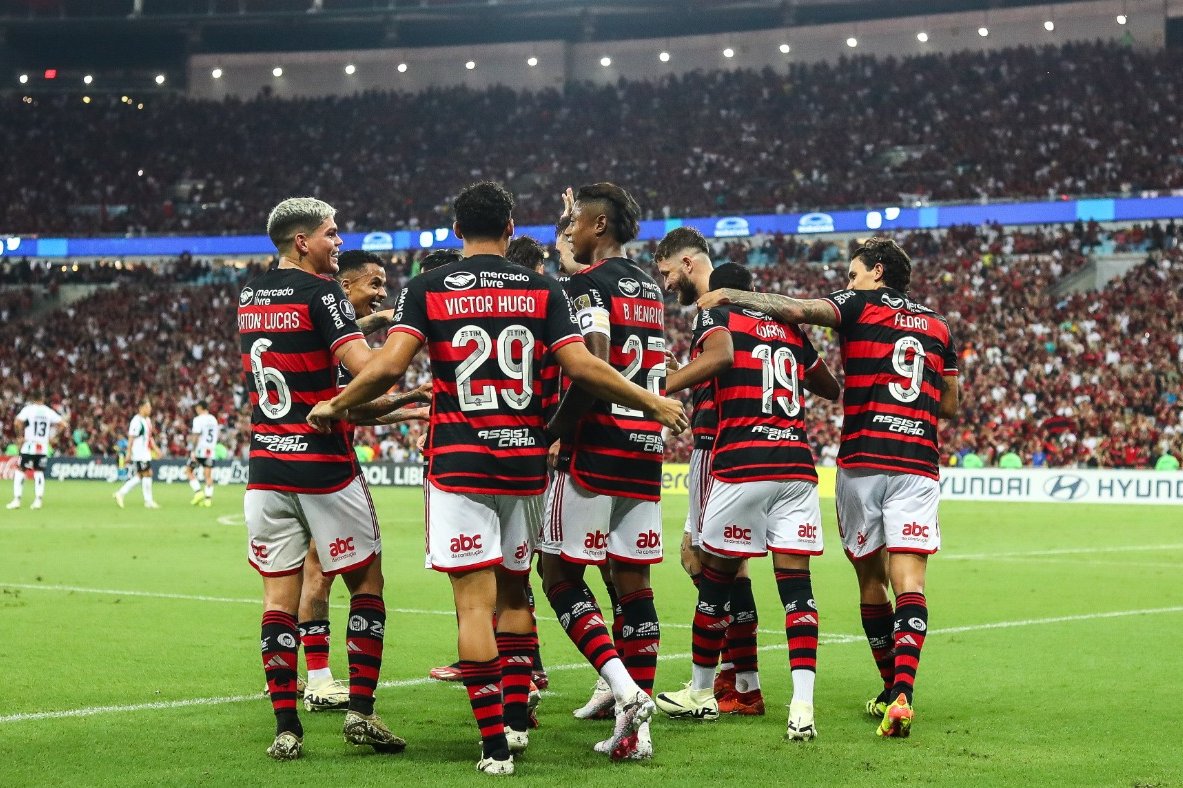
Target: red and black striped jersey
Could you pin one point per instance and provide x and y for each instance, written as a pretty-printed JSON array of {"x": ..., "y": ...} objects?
[
  {"x": 489, "y": 326},
  {"x": 291, "y": 322},
  {"x": 617, "y": 450},
  {"x": 761, "y": 431},
  {"x": 704, "y": 420},
  {"x": 895, "y": 353}
]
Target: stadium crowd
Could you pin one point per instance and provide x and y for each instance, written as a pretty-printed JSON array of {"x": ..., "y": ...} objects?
[
  {"x": 1075, "y": 380},
  {"x": 1079, "y": 119}
]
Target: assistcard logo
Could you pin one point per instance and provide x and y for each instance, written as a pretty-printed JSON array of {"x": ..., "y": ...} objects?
[
  {"x": 1066, "y": 487},
  {"x": 461, "y": 280}
]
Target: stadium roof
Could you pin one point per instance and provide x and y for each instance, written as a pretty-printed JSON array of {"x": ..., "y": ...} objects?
[{"x": 134, "y": 33}]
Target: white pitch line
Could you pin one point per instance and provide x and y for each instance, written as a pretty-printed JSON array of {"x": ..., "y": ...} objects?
[
  {"x": 1061, "y": 551},
  {"x": 823, "y": 640}
]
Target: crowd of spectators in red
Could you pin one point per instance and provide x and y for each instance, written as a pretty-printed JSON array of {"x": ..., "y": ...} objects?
[
  {"x": 1074, "y": 380},
  {"x": 1078, "y": 119}
]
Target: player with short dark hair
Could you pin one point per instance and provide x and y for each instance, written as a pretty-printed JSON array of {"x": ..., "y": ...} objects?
[
  {"x": 487, "y": 325},
  {"x": 206, "y": 428},
  {"x": 438, "y": 258},
  {"x": 528, "y": 253},
  {"x": 297, "y": 325},
  {"x": 141, "y": 449},
  {"x": 39, "y": 422},
  {"x": 901, "y": 376},
  {"x": 762, "y": 495},
  {"x": 604, "y": 503}
]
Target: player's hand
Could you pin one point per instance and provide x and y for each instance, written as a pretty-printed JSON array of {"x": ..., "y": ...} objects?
[
  {"x": 552, "y": 455},
  {"x": 691, "y": 557},
  {"x": 671, "y": 362},
  {"x": 322, "y": 416},
  {"x": 421, "y": 443},
  {"x": 424, "y": 390},
  {"x": 568, "y": 206},
  {"x": 670, "y": 413},
  {"x": 715, "y": 298}
]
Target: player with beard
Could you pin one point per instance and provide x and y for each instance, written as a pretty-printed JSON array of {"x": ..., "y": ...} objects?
[
  {"x": 604, "y": 502},
  {"x": 901, "y": 377}
]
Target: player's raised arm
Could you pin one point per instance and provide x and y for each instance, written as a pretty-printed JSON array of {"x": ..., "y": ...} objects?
[
  {"x": 717, "y": 356},
  {"x": 378, "y": 321},
  {"x": 820, "y": 380},
  {"x": 785, "y": 309},
  {"x": 601, "y": 380},
  {"x": 372, "y": 413}
]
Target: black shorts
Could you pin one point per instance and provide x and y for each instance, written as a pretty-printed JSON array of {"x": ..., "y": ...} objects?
[
  {"x": 33, "y": 462},
  {"x": 142, "y": 466},
  {"x": 200, "y": 462}
]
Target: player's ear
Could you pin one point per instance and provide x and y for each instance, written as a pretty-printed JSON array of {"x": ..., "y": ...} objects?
[
  {"x": 601, "y": 224},
  {"x": 456, "y": 230}
]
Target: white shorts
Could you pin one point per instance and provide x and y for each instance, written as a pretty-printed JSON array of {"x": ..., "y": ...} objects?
[
  {"x": 878, "y": 509},
  {"x": 699, "y": 484},
  {"x": 280, "y": 526},
  {"x": 750, "y": 518},
  {"x": 586, "y": 528},
  {"x": 466, "y": 531}
]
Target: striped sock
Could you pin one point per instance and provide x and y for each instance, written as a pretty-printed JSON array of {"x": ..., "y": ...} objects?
[
  {"x": 641, "y": 636},
  {"x": 279, "y": 639},
  {"x": 314, "y": 637},
  {"x": 363, "y": 644},
  {"x": 911, "y": 624},
  {"x": 711, "y": 616},
  {"x": 580, "y": 617},
  {"x": 517, "y": 664},
  {"x": 878, "y": 621},
  {"x": 482, "y": 680}
]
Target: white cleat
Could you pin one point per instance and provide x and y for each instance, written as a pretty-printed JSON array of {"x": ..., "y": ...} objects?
[
  {"x": 151, "y": 505},
  {"x": 801, "y": 727},
  {"x": 630, "y": 716},
  {"x": 36, "y": 504},
  {"x": 690, "y": 703},
  {"x": 15, "y": 503},
  {"x": 518, "y": 740},
  {"x": 286, "y": 747},
  {"x": 599, "y": 705},
  {"x": 326, "y": 696},
  {"x": 494, "y": 766},
  {"x": 119, "y": 500},
  {"x": 644, "y": 748}
]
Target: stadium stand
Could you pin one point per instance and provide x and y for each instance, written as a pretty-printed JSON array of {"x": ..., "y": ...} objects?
[{"x": 1074, "y": 120}]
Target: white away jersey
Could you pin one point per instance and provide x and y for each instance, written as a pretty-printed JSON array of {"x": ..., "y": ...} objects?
[
  {"x": 39, "y": 423},
  {"x": 140, "y": 433},
  {"x": 206, "y": 428}
]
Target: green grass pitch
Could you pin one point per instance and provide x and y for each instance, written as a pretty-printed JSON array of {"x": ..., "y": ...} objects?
[{"x": 130, "y": 649}]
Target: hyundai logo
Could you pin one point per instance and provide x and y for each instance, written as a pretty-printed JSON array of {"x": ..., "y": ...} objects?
[{"x": 1066, "y": 487}]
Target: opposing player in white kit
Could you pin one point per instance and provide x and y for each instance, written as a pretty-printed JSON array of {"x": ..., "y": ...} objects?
[
  {"x": 206, "y": 428},
  {"x": 39, "y": 421},
  {"x": 141, "y": 445}
]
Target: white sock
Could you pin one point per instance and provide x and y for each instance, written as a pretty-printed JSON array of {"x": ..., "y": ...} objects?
[
  {"x": 146, "y": 485},
  {"x": 618, "y": 679},
  {"x": 127, "y": 485},
  {"x": 726, "y": 666},
  {"x": 209, "y": 491},
  {"x": 320, "y": 675},
  {"x": 194, "y": 485},
  {"x": 747, "y": 681},
  {"x": 18, "y": 483},
  {"x": 38, "y": 484},
  {"x": 702, "y": 678},
  {"x": 803, "y": 685}
]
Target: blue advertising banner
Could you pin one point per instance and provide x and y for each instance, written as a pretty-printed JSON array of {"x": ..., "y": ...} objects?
[{"x": 816, "y": 223}]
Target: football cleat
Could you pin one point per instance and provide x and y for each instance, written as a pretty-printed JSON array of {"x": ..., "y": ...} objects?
[
  {"x": 632, "y": 714},
  {"x": 518, "y": 740},
  {"x": 724, "y": 682},
  {"x": 748, "y": 704},
  {"x": 877, "y": 706},
  {"x": 532, "y": 704},
  {"x": 495, "y": 766},
  {"x": 801, "y": 727},
  {"x": 208, "y": 502},
  {"x": 540, "y": 679},
  {"x": 446, "y": 673},
  {"x": 36, "y": 504},
  {"x": 689, "y": 703},
  {"x": 361, "y": 730},
  {"x": 15, "y": 503},
  {"x": 119, "y": 500},
  {"x": 151, "y": 505},
  {"x": 286, "y": 747},
  {"x": 897, "y": 720},
  {"x": 643, "y": 750},
  {"x": 599, "y": 705},
  {"x": 326, "y": 696},
  {"x": 197, "y": 498}
]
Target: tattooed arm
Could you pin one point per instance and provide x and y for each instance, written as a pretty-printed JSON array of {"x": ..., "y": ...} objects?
[{"x": 814, "y": 311}]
